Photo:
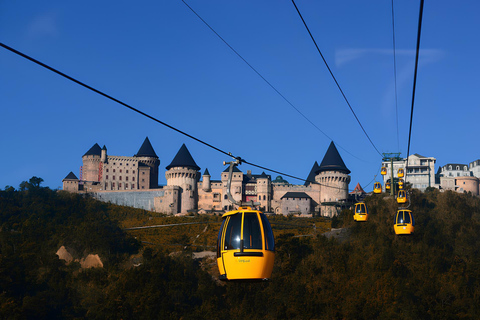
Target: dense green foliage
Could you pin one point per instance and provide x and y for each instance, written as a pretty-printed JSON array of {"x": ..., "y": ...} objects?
[{"x": 433, "y": 274}]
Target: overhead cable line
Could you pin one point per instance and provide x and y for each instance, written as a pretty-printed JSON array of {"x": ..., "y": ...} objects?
[
  {"x": 110, "y": 97},
  {"x": 395, "y": 75},
  {"x": 147, "y": 115},
  {"x": 334, "y": 79},
  {"x": 264, "y": 79},
  {"x": 420, "y": 16}
]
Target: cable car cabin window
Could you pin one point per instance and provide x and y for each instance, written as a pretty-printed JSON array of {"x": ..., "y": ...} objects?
[
  {"x": 403, "y": 217},
  {"x": 252, "y": 235},
  {"x": 232, "y": 234},
  {"x": 267, "y": 229},
  {"x": 219, "y": 240}
]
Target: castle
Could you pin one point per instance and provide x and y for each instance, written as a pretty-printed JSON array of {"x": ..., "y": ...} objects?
[{"x": 133, "y": 181}]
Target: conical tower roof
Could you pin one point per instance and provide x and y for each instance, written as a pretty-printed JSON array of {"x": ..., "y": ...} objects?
[
  {"x": 183, "y": 159},
  {"x": 332, "y": 161},
  {"x": 94, "y": 151},
  {"x": 71, "y": 176},
  {"x": 146, "y": 150},
  {"x": 312, "y": 174},
  {"x": 358, "y": 189}
]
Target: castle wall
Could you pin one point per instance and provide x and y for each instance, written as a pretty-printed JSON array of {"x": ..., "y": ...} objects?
[{"x": 135, "y": 199}]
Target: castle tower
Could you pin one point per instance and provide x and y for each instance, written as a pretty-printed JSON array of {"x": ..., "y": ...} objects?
[
  {"x": 184, "y": 172},
  {"x": 264, "y": 191},
  {"x": 103, "y": 156},
  {"x": 91, "y": 163},
  {"x": 148, "y": 163},
  {"x": 334, "y": 179},
  {"x": 70, "y": 183},
  {"x": 206, "y": 185}
]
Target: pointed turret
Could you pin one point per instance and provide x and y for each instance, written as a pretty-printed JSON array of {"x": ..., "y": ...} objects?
[
  {"x": 146, "y": 150},
  {"x": 183, "y": 159},
  {"x": 94, "y": 151},
  {"x": 312, "y": 174},
  {"x": 332, "y": 161},
  {"x": 71, "y": 176}
]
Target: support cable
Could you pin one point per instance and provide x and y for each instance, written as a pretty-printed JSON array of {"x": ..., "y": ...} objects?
[
  {"x": 334, "y": 79},
  {"x": 415, "y": 79},
  {"x": 266, "y": 81},
  {"x": 149, "y": 116},
  {"x": 395, "y": 75}
]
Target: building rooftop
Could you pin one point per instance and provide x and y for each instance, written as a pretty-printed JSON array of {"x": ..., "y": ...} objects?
[
  {"x": 332, "y": 161},
  {"x": 71, "y": 176},
  {"x": 183, "y": 159},
  {"x": 146, "y": 150},
  {"x": 296, "y": 195},
  {"x": 312, "y": 174},
  {"x": 94, "y": 151}
]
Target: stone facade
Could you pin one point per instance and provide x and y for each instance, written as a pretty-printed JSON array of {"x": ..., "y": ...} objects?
[{"x": 126, "y": 180}]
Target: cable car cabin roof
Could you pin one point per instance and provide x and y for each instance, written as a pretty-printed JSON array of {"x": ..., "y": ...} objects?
[{"x": 240, "y": 209}]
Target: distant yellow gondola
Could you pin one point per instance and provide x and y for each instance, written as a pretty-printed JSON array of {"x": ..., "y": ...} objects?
[
  {"x": 402, "y": 196},
  {"x": 387, "y": 185},
  {"x": 400, "y": 184},
  {"x": 404, "y": 222},
  {"x": 245, "y": 246},
  {"x": 361, "y": 212},
  {"x": 400, "y": 173},
  {"x": 377, "y": 187},
  {"x": 383, "y": 171}
]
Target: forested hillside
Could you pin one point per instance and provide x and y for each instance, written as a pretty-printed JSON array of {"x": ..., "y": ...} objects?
[{"x": 433, "y": 274}]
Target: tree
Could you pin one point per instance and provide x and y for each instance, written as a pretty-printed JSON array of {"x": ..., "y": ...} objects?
[{"x": 35, "y": 182}]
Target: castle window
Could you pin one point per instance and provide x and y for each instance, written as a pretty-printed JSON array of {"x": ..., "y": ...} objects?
[
  {"x": 113, "y": 177},
  {"x": 133, "y": 186},
  {"x": 106, "y": 177},
  {"x": 127, "y": 170},
  {"x": 126, "y": 178},
  {"x": 259, "y": 197},
  {"x": 120, "y": 164},
  {"x": 120, "y": 169},
  {"x": 133, "y": 172},
  {"x": 113, "y": 185},
  {"x": 107, "y": 170},
  {"x": 113, "y": 170},
  {"x": 143, "y": 172},
  {"x": 120, "y": 178},
  {"x": 133, "y": 178},
  {"x": 264, "y": 198},
  {"x": 127, "y": 164}
]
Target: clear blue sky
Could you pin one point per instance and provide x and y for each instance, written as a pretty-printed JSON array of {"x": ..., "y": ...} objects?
[{"x": 160, "y": 58}]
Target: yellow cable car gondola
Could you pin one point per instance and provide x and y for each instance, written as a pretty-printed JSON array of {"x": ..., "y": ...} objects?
[
  {"x": 387, "y": 185},
  {"x": 400, "y": 173},
  {"x": 383, "y": 171},
  {"x": 400, "y": 184},
  {"x": 245, "y": 246},
  {"x": 377, "y": 187},
  {"x": 404, "y": 222},
  {"x": 402, "y": 196},
  {"x": 361, "y": 212}
]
